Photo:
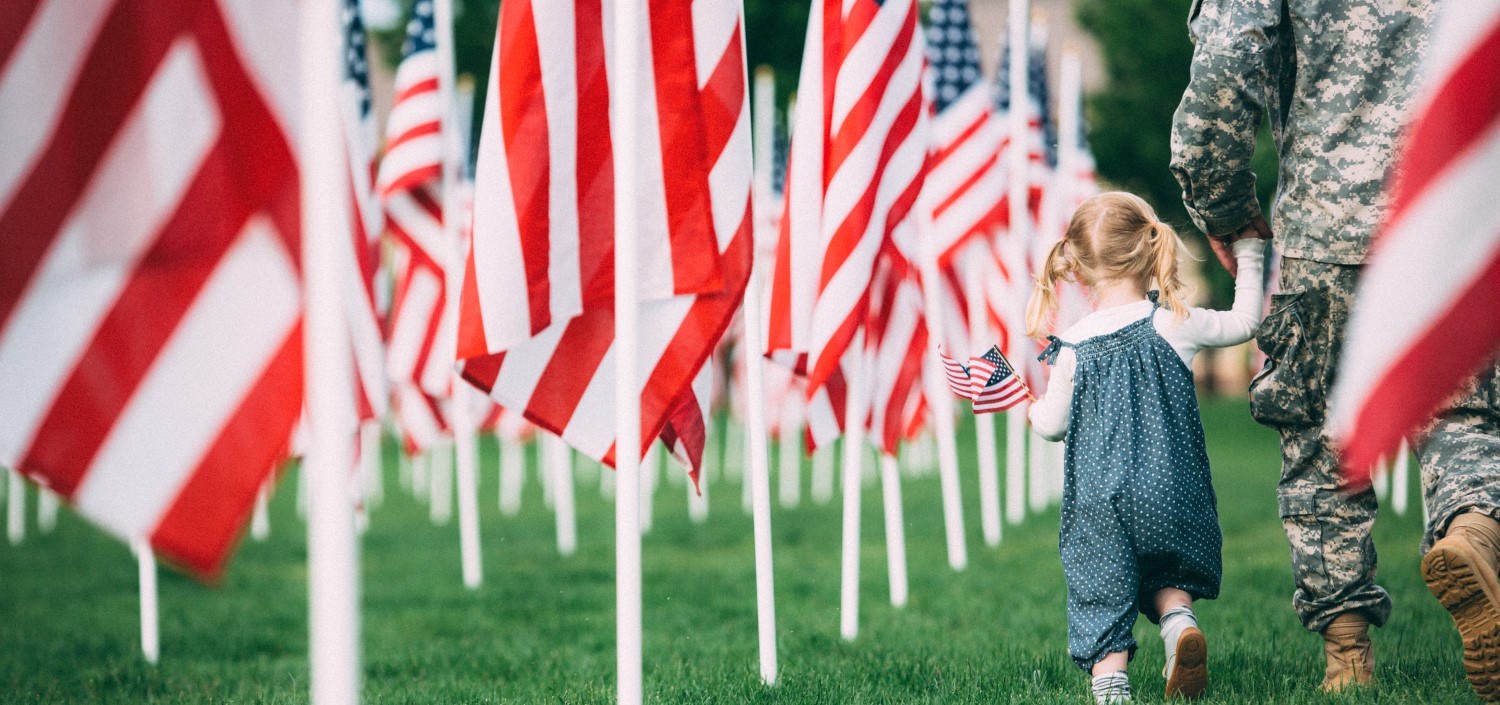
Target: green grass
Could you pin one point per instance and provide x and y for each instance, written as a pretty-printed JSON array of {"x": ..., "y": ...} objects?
[{"x": 541, "y": 629}]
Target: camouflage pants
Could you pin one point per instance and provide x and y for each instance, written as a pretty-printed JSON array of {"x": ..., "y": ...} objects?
[{"x": 1333, "y": 557}]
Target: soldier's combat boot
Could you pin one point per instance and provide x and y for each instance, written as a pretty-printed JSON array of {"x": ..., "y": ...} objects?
[
  {"x": 1460, "y": 570},
  {"x": 1351, "y": 658}
]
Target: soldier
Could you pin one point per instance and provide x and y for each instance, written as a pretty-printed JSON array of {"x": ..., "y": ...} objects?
[{"x": 1335, "y": 78}]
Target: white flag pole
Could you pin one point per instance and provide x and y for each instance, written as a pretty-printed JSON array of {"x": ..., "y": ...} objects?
[
  {"x": 650, "y": 470},
  {"x": 1020, "y": 234},
  {"x": 15, "y": 508},
  {"x": 557, "y": 471},
  {"x": 371, "y": 466},
  {"x": 759, "y": 472},
  {"x": 698, "y": 498},
  {"x": 938, "y": 397},
  {"x": 260, "y": 517},
  {"x": 150, "y": 620},
  {"x": 854, "y": 443},
  {"x": 822, "y": 474},
  {"x": 440, "y": 478},
  {"x": 46, "y": 510},
  {"x": 1380, "y": 479},
  {"x": 332, "y": 554},
  {"x": 458, "y": 104},
  {"x": 1400, "y": 483},
  {"x": 789, "y": 462},
  {"x": 512, "y": 475},
  {"x": 629, "y": 45},
  {"x": 895, "y": 528},
  {"x": 984, "y": 424}
]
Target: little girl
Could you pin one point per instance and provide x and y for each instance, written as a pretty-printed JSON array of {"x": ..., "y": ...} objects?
[{"x": 1140, "y": 531}]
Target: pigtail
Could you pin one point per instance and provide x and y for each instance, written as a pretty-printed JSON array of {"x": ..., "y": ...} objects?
[
  {"x": 1165, "y": 246},
  {"x": 1043, "y": 301}
]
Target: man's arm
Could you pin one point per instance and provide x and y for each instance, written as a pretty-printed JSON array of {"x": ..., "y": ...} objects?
[{"x": 1214, "y": 128}]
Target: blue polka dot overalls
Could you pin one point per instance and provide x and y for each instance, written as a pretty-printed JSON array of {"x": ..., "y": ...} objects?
[{"x": 1138, "y": 509}]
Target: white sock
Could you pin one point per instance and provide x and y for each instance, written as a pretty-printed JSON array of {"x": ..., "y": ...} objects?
[
  {"x": 1111, "y": 688},
  {"x": 1173, "y": 623}
]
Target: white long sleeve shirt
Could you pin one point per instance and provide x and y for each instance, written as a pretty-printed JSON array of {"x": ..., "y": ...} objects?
[{"x": 1202, "y": 328}]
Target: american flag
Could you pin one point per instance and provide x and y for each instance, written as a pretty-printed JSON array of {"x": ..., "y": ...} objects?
[
  {"x": 150, "y": 286},
  {"x": 419, "y": 361},
  {"x": 858, "y": 157},
  {"x": 536, "y": 321},
  {"x": 1427, "y": 314},
  {"x": 965, "y": 187},
  {"x": 365, "y": 221},
  {"x": 897, "y": 338},
  {"x": 988, "y": 380}
]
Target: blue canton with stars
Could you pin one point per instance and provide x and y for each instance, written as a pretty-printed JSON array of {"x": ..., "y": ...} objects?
[
  {"x": 952, "y": 50},
  {"x": 1036, "y": 85},
  {"x": 356, "y": 65},
  {"x": 421, "y": 34},
  {"x": 1002, "y": 366}
]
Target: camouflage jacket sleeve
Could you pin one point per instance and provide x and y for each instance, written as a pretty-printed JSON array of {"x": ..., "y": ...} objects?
[{"x": 1214, "y": 129}]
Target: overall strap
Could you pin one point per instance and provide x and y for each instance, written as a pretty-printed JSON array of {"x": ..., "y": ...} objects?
[
  {"x": 1054, "y": 346},
  {"x": 1155, "y": 297}
]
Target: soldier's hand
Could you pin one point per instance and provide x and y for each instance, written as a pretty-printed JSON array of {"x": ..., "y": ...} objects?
[{"x": 1222, "y": 247}]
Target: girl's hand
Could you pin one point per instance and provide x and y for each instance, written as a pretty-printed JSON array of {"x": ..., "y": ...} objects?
[{"x": 1223, "y": 247}]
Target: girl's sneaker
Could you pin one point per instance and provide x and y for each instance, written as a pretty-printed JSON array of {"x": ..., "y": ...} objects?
[
  {"x": 1187, "y": 669},
  {"x": 1110, "y": 688}
]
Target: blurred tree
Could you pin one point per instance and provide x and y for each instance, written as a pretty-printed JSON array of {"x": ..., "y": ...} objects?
[{"x": 1147, "y": 54}]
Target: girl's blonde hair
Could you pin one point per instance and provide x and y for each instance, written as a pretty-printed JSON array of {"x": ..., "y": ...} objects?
[{"x": 1112, "y": 236}]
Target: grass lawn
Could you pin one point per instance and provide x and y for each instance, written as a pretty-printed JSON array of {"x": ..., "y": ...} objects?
[{"x": 541, "y": 629}]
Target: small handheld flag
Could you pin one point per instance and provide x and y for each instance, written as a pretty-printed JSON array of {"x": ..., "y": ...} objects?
[{"x": 989, "y": 380}]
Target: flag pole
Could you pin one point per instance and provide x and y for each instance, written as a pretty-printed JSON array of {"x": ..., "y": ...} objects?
[
  {"x": 145, "y": 563},
  {"x": 332, "y": 554},
  {"x": 557, "y": 470},
  {"x": 466, "y": 456},
  {"x": 1400, "y": 484},
  {"x": 941, "y": 403},
  {"x": 15, "y": 508},
  {"x": 512, "y": 475},
  {"x": 1020, "y": 234},
  {"x": 755, "y": 378},
  {"x": 895, "y": 529},
  {"x": 46, "y": 510},
  {"x": 984, "y": 424},
  {"x": 628, "y": 48},
  {"x": 854, "y": 443},
  {"x": 260, "y": 517}
]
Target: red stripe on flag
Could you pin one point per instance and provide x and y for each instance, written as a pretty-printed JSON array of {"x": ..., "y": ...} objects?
[
  {"x": 596, "y": 178},
  {"x": 423, "y": 130},
  {"x": 685, "y": 165},
  {"x": 426, "y": 85},
  {"x": 523, "y": 121}
]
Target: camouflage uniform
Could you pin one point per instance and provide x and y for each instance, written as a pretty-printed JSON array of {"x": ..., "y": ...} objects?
[{"x": 1333, "y": 76}]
